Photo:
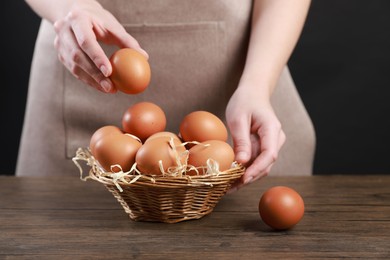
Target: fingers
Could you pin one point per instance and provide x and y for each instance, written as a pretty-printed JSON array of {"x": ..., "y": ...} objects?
[
  {"x": 78, "y": 47},
  {"x": 80, "y": 74},
  {"x": 125, "y": 40},
  {"x": 240, "y": 130},
  {"x": 115, "y": 34},
  {"x": 263, "y": 163},
  {"x": 76, "y": 60},
  {"x": 87, "y": 41},
  {"x": 270, "y": 143},
  {"x": 78, "y": 63}
]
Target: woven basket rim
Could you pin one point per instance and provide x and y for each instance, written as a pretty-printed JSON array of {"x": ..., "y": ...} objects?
[
  {"x": 134, "y": 179},
  {"x": 168, "y": 181}
]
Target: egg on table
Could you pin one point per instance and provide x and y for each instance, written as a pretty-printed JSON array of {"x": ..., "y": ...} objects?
[{"x": 281, "y": 207}]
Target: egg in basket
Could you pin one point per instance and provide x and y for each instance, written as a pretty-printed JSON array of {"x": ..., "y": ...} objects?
[{"x": 158, "y": 175}]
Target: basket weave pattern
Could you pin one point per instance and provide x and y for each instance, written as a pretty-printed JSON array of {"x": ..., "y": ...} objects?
[{"x": 164, "y": 198}]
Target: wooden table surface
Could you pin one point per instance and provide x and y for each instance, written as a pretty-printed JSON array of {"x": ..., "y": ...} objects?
[{"x": 66, "y": 218}]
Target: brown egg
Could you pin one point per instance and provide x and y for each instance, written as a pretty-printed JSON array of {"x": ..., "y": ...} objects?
[
  {"x": 101, "y": 132},
  {"x": 216, "y": 150},
  {"x": 166, "y": 135},
  {"x": 149, "y": 155},
  {"x": 281, "y": 207},
  {"x": 144, "y": 119},
  {"x": 130, "y": 71},
  {"x": 116, "y": 149},
  {"x": 202, "y": 126}
]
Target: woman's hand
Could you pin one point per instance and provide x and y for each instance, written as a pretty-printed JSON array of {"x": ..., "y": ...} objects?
[
  {"x": 78, "y": 33},
  {"x": 256, "y": 132}
]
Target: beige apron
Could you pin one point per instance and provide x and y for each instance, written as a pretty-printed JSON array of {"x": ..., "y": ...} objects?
[{"x": 197, "y": 52}]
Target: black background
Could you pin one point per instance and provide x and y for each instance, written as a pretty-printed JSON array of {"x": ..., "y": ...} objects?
[{"x": 340, "y": 66}]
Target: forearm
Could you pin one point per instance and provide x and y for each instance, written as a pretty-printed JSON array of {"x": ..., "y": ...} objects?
[
  {"x": 52, "y": 10},
  {"x": 276, "y": 27}
]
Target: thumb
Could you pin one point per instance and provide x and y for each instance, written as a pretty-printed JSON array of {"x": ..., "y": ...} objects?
[
  {"x": 128, "y": 41},
  {"x": 240, "y": 132},
  {"x": 120, "y": 37}
]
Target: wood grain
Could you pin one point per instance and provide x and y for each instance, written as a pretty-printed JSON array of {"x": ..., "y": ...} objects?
[{"x": 66, "y": 218}]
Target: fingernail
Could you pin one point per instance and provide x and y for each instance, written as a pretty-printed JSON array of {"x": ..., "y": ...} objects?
[
  {"x": 145, "y": 53},
  {"x": 104, "y": 70},
  {"x": 248, "y": 180},
  {"x": 105, "y": 85},
  {"x": 241, "y": 156}
]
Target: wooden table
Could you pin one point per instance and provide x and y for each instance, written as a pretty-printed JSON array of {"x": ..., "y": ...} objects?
[{"x": 66, "y": 218}]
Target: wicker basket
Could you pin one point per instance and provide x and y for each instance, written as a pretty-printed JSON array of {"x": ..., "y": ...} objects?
[{"x": 163, "y": 199}]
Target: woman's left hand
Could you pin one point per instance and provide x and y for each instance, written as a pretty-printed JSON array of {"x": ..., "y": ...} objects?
[{"x": 256, "y": 131}]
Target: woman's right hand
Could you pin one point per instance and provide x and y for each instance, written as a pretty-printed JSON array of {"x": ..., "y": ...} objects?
[{"x": 78, "y": 33}]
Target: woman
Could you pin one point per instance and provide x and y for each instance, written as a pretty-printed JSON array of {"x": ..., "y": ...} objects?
[{"x": 228, "y": 57}]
